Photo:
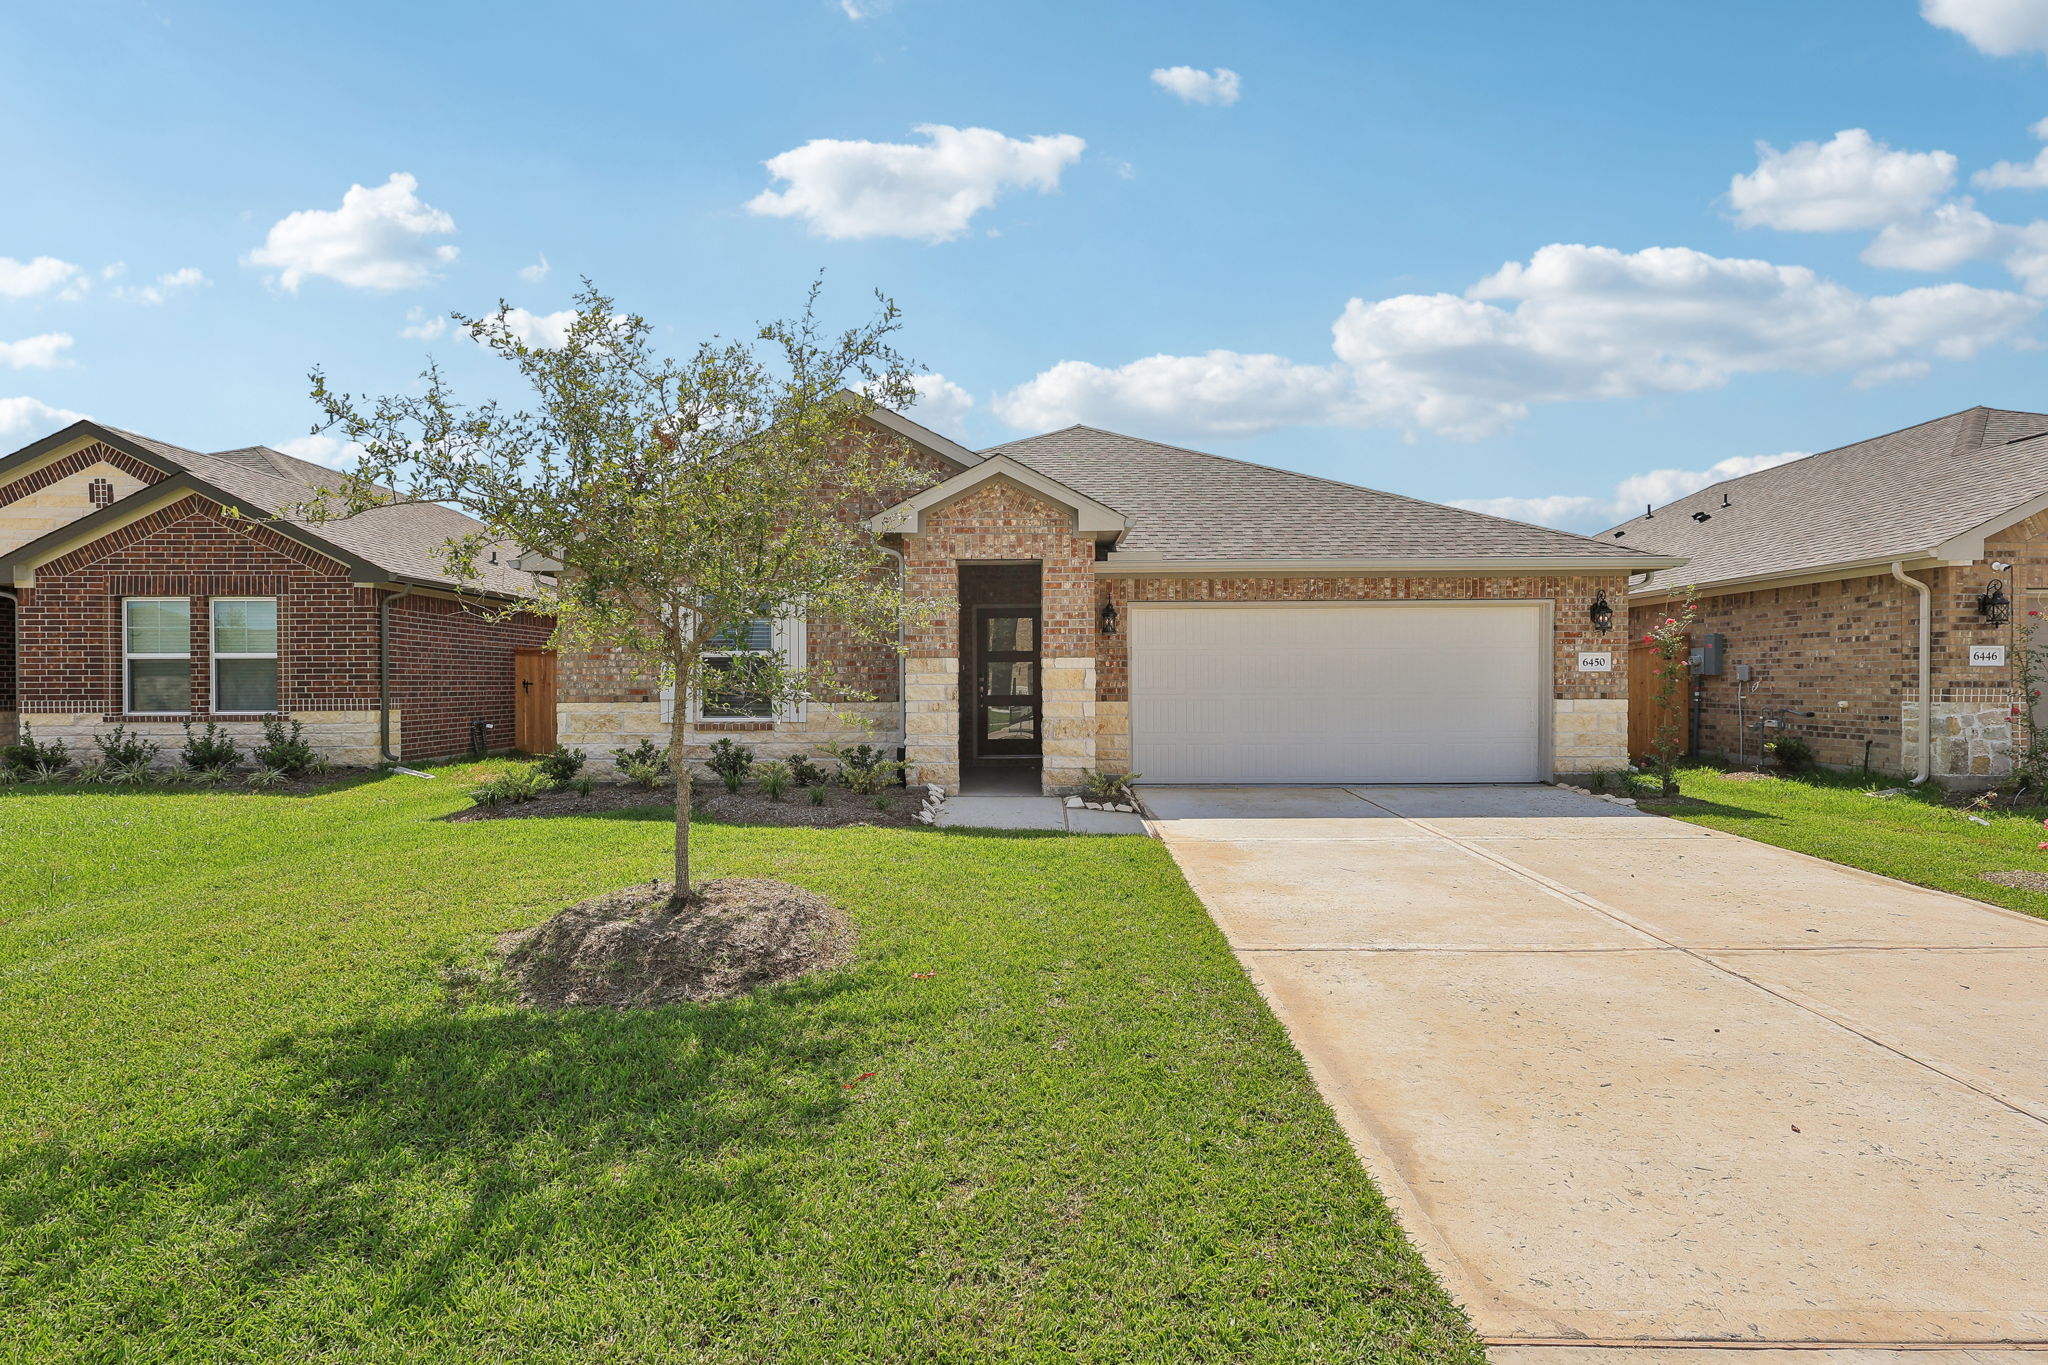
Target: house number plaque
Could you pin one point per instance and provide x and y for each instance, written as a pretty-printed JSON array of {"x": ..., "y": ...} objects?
[{"x": 1596, "y": 663}]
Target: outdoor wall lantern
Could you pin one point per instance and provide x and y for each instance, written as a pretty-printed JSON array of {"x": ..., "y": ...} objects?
[
  {"x": 1993, "y": 605},
  {"x": 1602, "y": 615},
  {"x": 1109, "y": 618}
]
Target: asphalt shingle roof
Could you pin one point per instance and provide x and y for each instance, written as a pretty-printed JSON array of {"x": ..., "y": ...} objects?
[
  {"x": 1187, "y": 504},
  {"x": 403, "y": 541},
  {"x": 1892, "y": 496}
]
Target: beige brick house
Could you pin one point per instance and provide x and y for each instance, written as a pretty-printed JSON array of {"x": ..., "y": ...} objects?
[
  {"x": 1106, "y": 602},
  {"x": 1868, "y": 598}
]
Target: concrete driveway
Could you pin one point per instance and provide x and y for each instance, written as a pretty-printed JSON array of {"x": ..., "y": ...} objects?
[{"x": 1630, "y": 1081}]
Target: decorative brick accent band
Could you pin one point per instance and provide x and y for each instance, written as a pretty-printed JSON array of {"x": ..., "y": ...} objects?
[{"x": 76, "y": 463}]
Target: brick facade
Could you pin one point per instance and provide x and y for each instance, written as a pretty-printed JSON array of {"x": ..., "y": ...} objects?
[
  {"x": 1812, "y": 647},
  {"x": 448, "y": 663}
]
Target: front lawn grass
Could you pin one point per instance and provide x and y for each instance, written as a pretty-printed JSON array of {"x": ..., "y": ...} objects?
[
  {"x": 256, "y": 1110},
  {"x": 1915, "y": 835}
]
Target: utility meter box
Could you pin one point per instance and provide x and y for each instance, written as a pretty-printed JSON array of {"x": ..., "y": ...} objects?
[{"x": 1706, "y": 655}]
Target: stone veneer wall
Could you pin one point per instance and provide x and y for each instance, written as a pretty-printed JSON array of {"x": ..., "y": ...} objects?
[
  {"x": 598, "y": 727},
  {"x": 1002, "y": 522},
  {"x": 1590, "y": 720},
  {"x": 345, "y": 738}
]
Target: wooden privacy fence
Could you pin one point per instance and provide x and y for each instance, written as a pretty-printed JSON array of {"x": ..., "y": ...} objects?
[
  {"x": 1643, "y": 711},
  {"x": 533, "y": 700}
]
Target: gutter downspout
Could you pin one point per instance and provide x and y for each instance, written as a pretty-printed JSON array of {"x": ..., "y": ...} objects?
[
  {"x": 1926, "y": 722},
  {"x": 384, "y": 674}
]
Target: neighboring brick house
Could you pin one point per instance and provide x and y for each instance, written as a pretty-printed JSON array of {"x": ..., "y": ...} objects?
[
  {"x": 1799, "y": 569},
  {"x": 131, "y": 593},
  {"x": 1104, "y": 602}
]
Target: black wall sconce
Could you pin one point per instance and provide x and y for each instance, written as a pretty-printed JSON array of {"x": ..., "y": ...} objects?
[
  {"x": 1993, "y": 605},
  {"x": 1108, "y": 618},
  {"x": 1600, "y": 613}
]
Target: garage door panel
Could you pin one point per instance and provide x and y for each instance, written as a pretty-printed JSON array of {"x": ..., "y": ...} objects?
[{"x": 1366, "y": 693}]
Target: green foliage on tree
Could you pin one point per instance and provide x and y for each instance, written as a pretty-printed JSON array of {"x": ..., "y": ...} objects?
[{"x": 679, "y": 497}]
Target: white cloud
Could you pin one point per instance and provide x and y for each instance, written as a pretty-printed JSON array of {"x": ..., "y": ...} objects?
[
  {"x": 379, "y": 238},
  {"x": 1575, "y": 323},
  {"x": 165, "y": 285},
  {"x": 858, "y": 10},
  {"x": 26, "y": 279},
  {"x": 2018, "y": 175},
  {"x": 321, "y": 449},
  {"x": 27, "y": 419},
  {"x": 1196, "y": 86},
  {"x": 420, "y": 325},
  {"x": 1851, "y": 181},
  {"x": 546, "y": 331},
  {"x": 35, "y": 353},
  {"x": 927, "y": 192},
  {"x": 1223, "y": 393},
  {"x": 1998, "y": 27},
  {"x": 1576, "y": 512},
  {"x": 941, "y": 404},
  {"x": 538, "y": 271}
]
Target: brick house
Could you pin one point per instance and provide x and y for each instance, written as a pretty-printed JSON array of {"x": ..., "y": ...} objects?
[
  {"x": 1106, "y": 602},
  {"x": 1865, "y": 592},
  {"x": 131, "y": 594}
]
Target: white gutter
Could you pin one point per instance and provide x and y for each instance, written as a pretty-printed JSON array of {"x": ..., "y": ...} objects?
[{"x": 1926, "y": 725}]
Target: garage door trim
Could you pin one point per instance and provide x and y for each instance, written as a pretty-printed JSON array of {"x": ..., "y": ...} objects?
[{"x": 1545, "y": 690}]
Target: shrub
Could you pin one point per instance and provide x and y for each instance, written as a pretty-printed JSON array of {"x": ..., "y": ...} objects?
[
  {"x": 805, "y": 773},
  {"x": 818, "y": 794},
  {"x": 1109, "y": 789},
  {"x": 731, "y": 761},
  {"x": 125, "y": 752},
  {"x": 28, "y": 756},
  {"x": 1793, "y": 754},
  {"x": 265, "y": 778},
  {"x": 561, "y": 766},
  {"x": 774, "y": 778},
  {"x": 510, "y": 787},
  {"x": 863, "y": 769},
  {"x": 646, "y": 765},
  {"x": 584, "y": 786},
  {"x": 284, "y": 748},
  {"x": 208, "y": 751}
]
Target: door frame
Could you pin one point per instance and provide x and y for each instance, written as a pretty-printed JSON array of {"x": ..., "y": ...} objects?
[
  {"x": 1546, "y": 646},
  {"x": 972, "y": 700}
]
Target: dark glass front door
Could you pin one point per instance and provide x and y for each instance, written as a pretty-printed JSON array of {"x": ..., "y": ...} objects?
[{"x": 1005, "y": 715}]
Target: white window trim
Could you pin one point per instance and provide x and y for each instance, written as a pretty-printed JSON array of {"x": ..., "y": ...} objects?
[
  {"x": 791, "y": 639},
  {"x": 214, "y": 656},
  {"x": 128, "y": 656}
]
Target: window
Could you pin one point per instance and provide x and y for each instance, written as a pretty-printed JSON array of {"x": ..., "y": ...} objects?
[
  {"x": 245, "y": 655},
  {"x": 157, "y": 645},
  {"x": 725, "y": 655}
]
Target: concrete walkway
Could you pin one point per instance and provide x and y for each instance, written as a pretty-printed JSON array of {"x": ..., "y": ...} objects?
[{"x": 1629, "y": 1081}]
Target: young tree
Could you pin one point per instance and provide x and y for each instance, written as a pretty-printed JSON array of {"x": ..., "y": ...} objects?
[{"x": 681, "y": 497}]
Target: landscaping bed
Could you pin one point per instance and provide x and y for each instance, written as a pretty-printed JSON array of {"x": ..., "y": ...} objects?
[
  {"x": 260, "y": 1108},
  {"x": 708, "y": 800}
]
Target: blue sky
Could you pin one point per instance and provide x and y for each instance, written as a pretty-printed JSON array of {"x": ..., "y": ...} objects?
[{"x": 1465, "y": 251}]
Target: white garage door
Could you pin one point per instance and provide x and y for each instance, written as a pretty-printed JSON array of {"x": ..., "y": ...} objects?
[{"x": 1379, "y": 692}]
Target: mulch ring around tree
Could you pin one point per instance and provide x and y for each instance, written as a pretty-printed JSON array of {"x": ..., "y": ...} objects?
[
  {"x": 634, "y": 949},
  {"x": 841, "y": 807},
  {"x": 2021, "y": 880}
]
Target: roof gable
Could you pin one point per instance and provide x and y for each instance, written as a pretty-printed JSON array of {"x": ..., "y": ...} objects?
[{"x": 1090, "y": 516}]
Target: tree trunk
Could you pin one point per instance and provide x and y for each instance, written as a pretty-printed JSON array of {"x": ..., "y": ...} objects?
[{"x": 679, "y": 772}]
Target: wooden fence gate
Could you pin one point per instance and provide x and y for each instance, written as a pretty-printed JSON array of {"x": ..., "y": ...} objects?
[
  {"x": 533, "y": 700},
  {"x": 1643, "y": 711}
]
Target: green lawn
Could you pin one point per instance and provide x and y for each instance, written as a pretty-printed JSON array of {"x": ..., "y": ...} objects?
[
  {"x": 244, "y": 1118},
  {"x": 1912, "y": 835}
]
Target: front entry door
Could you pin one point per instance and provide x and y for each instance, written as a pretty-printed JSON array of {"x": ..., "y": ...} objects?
[{"x": 1005, "y": 713}]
